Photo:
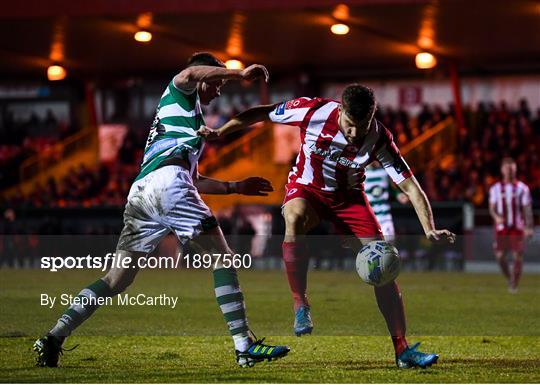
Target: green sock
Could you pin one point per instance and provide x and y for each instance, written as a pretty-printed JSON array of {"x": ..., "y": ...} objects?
[
  {"x": 231, "y": 302},
  {"x": 76, "y": 314}
]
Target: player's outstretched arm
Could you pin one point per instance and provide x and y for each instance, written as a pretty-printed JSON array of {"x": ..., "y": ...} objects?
[
  {"x": 418, "y": 198},
  {"x": 399, "y": 195},
  {"x": 239, "y": 122},
  {"x": 249, "y": 186},
  {"x": 189, "y": 77}
]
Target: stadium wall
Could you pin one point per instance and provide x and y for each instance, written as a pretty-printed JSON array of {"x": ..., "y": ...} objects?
[{"x": 411, "y": 94}]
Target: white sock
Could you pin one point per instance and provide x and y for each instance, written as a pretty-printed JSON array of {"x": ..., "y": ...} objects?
[{"x": 242, "y": 342}]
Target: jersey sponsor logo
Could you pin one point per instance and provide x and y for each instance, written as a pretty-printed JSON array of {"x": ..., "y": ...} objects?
[
  {"x": 335, "y": 156},
  {"x": 292, "y": 191},
  {"x": 159, "y": 146},
  {"x": 280, "y": 109},
  {"x": 327, "y": 136}
]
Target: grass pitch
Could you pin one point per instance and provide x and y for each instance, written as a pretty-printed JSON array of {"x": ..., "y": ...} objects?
[{"x": 482, "y": 333}]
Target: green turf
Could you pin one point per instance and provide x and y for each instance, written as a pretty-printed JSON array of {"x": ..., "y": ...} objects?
[{"x": 482, "y": 333}]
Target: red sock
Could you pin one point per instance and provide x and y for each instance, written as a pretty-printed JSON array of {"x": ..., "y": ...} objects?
[
  {"x": 391, "y": 306},
  {"x": 296, "y": 261},
  {"x": 516, "y": 272},
  {"x": 504, "y": 267},
  {"x": 400, "y": 344}
]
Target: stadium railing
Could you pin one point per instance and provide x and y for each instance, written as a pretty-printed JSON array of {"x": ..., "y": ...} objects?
[
  {"x": 245, "y": 147},
  {"x": 58, "y": 153},
  {"x": 80, "y": 148},
  {"x": 433, "y": 145}
]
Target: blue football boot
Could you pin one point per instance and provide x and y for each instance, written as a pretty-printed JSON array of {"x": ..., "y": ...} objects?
[
  {"x": 258, "y": 351},
  {"x": 302, "y": 321},
  {"x": 411, "y": 358}
]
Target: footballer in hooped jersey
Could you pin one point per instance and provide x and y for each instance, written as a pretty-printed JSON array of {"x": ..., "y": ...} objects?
[
  {"x": 338, "y": 141},
  {"x": 379, "y": 189},
  {"x": 510, "y": 206},
  {"x": 165, "y": 197}
]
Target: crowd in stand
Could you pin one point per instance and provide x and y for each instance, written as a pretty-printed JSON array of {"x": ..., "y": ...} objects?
[
  {"x": 492, "y": 132},
  {"x": 405, "y": 127},
  {"x": 22, "y": 138}
]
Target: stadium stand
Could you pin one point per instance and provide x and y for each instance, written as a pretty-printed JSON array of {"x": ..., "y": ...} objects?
[{"x": 494, "y": 131}]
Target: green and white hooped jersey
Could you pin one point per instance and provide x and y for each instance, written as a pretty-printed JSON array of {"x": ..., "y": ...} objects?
[
  {"x": 377, "y": 188},
  {"x": 173, "y": 133}
]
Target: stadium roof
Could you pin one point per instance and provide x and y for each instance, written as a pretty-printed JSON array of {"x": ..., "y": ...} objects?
[{"x": 96, "y": 37}]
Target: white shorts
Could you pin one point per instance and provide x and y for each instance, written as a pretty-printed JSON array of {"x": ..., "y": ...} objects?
[{"x": 161, "y": 202}]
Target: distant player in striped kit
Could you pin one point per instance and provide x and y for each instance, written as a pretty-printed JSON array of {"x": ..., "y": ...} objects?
[
  {"x": 510, "y": 207},
  {"x": 165, "y": 198},
  {"x": 378, "y": 188},
  {"x": 338, "y": 141}
]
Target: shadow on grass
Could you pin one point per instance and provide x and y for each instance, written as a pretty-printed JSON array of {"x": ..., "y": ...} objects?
[
  {"x": 13, "y": 334},
  {"x": 504, "y": 363}
]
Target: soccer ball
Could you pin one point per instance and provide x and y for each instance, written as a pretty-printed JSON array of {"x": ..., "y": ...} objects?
[{"x": 378, "y": 263}]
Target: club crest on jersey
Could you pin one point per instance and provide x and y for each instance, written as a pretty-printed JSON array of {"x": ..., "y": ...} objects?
[
  {"x": 376, "y": 191},
  {"x": 280, "y": 109},
  {"x": 292, "y": 104}
]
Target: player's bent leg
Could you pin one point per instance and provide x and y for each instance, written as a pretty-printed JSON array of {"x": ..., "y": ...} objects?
[
  {"x": 299, "y": 217},
  {"x": 119, "y": 279},
  {"x": 358, "y": 219},
  {"x": 49, "y": 347},
  {"x": 226, "y": 287},
  {"x": 249, "y": 350},
  {"x": 390, "y": 303}
]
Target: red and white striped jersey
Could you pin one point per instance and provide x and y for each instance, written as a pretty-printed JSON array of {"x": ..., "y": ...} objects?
[
  {"x": 509, "y": 200},
  {"x": 326, "y": 160}
]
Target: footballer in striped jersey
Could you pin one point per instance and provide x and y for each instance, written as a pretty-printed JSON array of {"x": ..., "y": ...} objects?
[
  {"x": 510, "y": 206},
  {"x": 379, "y": 189},
  {"x": 338, "y": 141},
  {"x": 165, "y": 198}
]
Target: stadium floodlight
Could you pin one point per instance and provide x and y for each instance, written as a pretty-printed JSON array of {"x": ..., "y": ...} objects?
[
  {"x": 234, "y": 64},
  {"x": 425, "y": 60},
  {"x": 142, "y": 36},
  {"x": 56, "y": 72},
  {"x": 341, "y": 12},
  {"x": 339, "y": 29}
]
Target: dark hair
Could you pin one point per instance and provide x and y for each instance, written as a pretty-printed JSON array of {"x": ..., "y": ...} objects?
[
  {"x": 508, "y": 160},
  {"x": 204, "y": 59},
  {"x": 358, "y": 101}
]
